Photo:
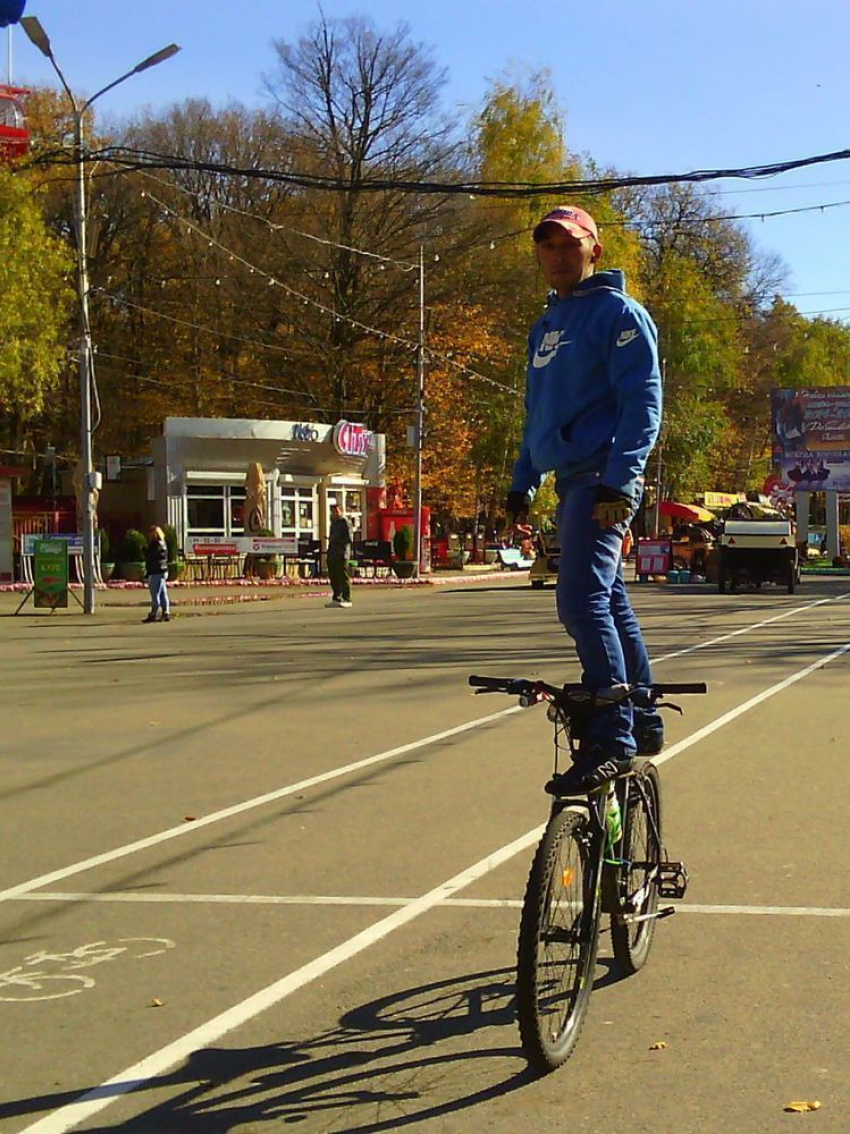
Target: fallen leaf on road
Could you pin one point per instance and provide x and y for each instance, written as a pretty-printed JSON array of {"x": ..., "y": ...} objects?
[
  {"x": 659, "y": 1046},
  {"x": 802, "y": 1107},
  {"x": 189, "y": 818},
  {"x": 155, "y": 1003}
]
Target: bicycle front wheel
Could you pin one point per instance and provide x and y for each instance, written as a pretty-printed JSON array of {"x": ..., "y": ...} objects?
[
  {"x": 558, "y": 939},
  {"x": 633, "y": 927}
]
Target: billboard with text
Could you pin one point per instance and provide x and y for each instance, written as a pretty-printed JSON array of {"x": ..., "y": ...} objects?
[{"x": 811, "y": 438}]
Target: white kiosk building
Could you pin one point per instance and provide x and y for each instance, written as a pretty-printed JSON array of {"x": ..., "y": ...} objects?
[{"x": 197, "y": 480}]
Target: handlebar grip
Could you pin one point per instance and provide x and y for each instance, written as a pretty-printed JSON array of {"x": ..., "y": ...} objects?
[
  {"x": 495, "y": 683},
  {"x": 681, "y": 687}
]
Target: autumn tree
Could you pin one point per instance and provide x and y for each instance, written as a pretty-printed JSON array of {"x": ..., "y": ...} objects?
[
  {"x": 35, "y": 303},
  {"x": 361, "y": 104}
]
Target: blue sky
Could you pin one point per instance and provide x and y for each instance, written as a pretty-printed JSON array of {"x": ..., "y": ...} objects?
[{"x": 647, "y": 86}]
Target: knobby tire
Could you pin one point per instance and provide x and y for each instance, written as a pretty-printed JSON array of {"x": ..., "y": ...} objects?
[
  {"x": 640, "y": 851},
  {"x": 558, "y": 940}
]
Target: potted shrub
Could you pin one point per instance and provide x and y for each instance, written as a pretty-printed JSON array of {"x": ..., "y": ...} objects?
[
  {"x": 131, "y": 555},
  {"x": 263, "y": 566},
  {"x": 107, "y": 564},
  {"x": 403, "y": 564},
  {"x": 175, "y": 556}
]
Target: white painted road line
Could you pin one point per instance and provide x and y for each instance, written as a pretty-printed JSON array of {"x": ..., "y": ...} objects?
[
  {"x": 701, "y": 733},
  {"x": 238, "y": 808},
  {"x": 144, "y": 898},
  {"x": 163, "y": 1060},
  {"x": 280, "y": 793},
  {"x": 749, "y": 629},
  {"x": 168, "y": 1057},
  {"x": 173, "y": 832}
]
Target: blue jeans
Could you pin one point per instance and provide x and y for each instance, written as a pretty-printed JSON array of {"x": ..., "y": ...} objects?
[
  {"x": 159, "y": 593},
  {"x": 595, "y": 610}
]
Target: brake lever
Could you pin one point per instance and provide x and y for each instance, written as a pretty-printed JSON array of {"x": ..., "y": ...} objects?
[{"x": 669, "y": 705}]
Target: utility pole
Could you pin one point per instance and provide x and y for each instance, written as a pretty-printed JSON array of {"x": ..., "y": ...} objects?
[
  {"x": 420, "y": 417},
  {"x": 659, "y": 467},
  {"x": 91, "y": 479}
]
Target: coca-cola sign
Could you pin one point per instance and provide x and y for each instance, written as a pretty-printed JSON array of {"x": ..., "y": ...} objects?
[{"x": 352, "y": 439}]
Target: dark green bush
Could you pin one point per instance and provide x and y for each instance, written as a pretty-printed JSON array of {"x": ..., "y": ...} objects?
[
  {"x": 403, "y": 541},
  {"x": 170, "y": 533},
  {"x": 132, "y": 547}
]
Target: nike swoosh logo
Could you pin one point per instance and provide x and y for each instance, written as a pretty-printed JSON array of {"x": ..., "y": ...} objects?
[
  {"x": 626, "y": 337},
  {"x": 539, "y": 360}
]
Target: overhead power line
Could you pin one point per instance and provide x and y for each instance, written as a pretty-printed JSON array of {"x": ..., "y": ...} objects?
[
  {"x": 132, "y": 158},
  {"x": 275, "y": 281}
]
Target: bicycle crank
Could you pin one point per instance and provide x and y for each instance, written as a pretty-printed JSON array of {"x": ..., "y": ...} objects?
[{"x": 633, "y": 919}]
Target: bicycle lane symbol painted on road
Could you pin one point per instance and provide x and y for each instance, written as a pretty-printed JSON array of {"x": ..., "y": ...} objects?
[{"x": 41, "y": 973}]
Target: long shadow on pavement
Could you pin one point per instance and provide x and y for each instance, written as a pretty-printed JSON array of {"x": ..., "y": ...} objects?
[{"x": 393, "y": 1062}]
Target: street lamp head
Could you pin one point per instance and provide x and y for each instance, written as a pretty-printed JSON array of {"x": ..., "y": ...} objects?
[
  {"x": 37, "y": 35},
  {"x": 159, "y": 57}
]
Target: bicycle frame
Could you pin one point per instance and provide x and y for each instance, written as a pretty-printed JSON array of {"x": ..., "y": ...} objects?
[{"x": 606, "y": 873}]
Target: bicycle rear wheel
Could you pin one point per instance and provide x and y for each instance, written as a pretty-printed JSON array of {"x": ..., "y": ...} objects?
[
  {"x": 558, "y": 938},
  {"x": 641, "y": 853}
]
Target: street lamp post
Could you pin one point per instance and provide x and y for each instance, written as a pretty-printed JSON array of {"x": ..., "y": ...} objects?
[
  {"x": 659, "y": 466},
  {"x": 37, "y": 35},
  {"x": 420, "y": 418}
]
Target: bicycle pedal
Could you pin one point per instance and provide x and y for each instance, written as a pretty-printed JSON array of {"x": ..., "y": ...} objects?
[{"x": 672, "y": 879}]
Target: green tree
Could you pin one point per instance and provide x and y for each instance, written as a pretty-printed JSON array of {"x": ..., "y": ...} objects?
[{"x": 35, "y": 299}]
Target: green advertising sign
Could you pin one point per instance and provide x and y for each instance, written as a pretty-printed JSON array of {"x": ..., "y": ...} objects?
[{"x": 50, "y": 573}]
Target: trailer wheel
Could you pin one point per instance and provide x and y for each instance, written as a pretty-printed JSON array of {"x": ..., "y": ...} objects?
[{"x": 791, "y": 577}]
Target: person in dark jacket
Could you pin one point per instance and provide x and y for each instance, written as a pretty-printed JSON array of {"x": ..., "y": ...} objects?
[
  {"x": 339, "y": 554},
  {"x": 156, "y": 568}
]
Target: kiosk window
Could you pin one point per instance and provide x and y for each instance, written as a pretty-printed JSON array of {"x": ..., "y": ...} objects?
[
  {"x": 296, "y": 511},
  {"x": 215, "y": 509}
]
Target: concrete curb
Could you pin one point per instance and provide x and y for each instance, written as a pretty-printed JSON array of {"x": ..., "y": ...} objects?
[{"x": 231, "y": 592}]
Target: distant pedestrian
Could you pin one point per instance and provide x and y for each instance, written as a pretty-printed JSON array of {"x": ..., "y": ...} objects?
[
  {"x": 156, "y": 568},
  {"x": 339, "y": 555}
]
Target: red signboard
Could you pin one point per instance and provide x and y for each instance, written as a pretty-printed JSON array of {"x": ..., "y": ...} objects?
[
  {"x": 352, "y": 439},
  {"x": 654, "y": 557},
  {"x": 214, "y": 548}
]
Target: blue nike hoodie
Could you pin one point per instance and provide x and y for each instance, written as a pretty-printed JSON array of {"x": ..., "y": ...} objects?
[{"x": 593, "y": 391}]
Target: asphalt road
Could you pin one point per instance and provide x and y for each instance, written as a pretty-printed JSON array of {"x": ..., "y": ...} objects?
[{"x": 261, "y": 867}]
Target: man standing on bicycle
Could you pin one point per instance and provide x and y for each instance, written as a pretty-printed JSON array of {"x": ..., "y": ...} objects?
[{"x": 593, "y": 412}]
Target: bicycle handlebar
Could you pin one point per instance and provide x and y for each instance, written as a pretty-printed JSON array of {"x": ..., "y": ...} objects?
[
  {"x": 541, "y": 690},
  {"x": 679, "y": 687}
]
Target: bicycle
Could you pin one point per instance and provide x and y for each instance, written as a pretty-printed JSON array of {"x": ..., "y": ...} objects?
[{"x": 601, "y": 853}]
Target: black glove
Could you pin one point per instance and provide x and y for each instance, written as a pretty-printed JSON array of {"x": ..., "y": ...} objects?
[
  {"x": 612, "y": 507},
  {"x": 516, "y": 505}
]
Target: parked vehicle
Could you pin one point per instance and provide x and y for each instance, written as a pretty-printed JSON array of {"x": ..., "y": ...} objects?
[
  {"x": 757, "y": 550},
  {"x": 545, "y": 567}
]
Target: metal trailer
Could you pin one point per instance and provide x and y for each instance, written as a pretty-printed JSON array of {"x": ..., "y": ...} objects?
[{"x": 756, "y": 552}]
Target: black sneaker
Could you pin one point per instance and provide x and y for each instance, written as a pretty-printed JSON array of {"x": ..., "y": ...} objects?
[
  {"x": 150, "y": 618},
  {"x": 649, "y": 743},
  {"x": 648, "y": 732},
  {"x": 589, "y": 772},
  {"x": 165, "y": 618}
]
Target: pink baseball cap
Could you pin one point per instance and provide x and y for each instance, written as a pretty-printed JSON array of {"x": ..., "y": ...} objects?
[{"x": 575, "y": 221}]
